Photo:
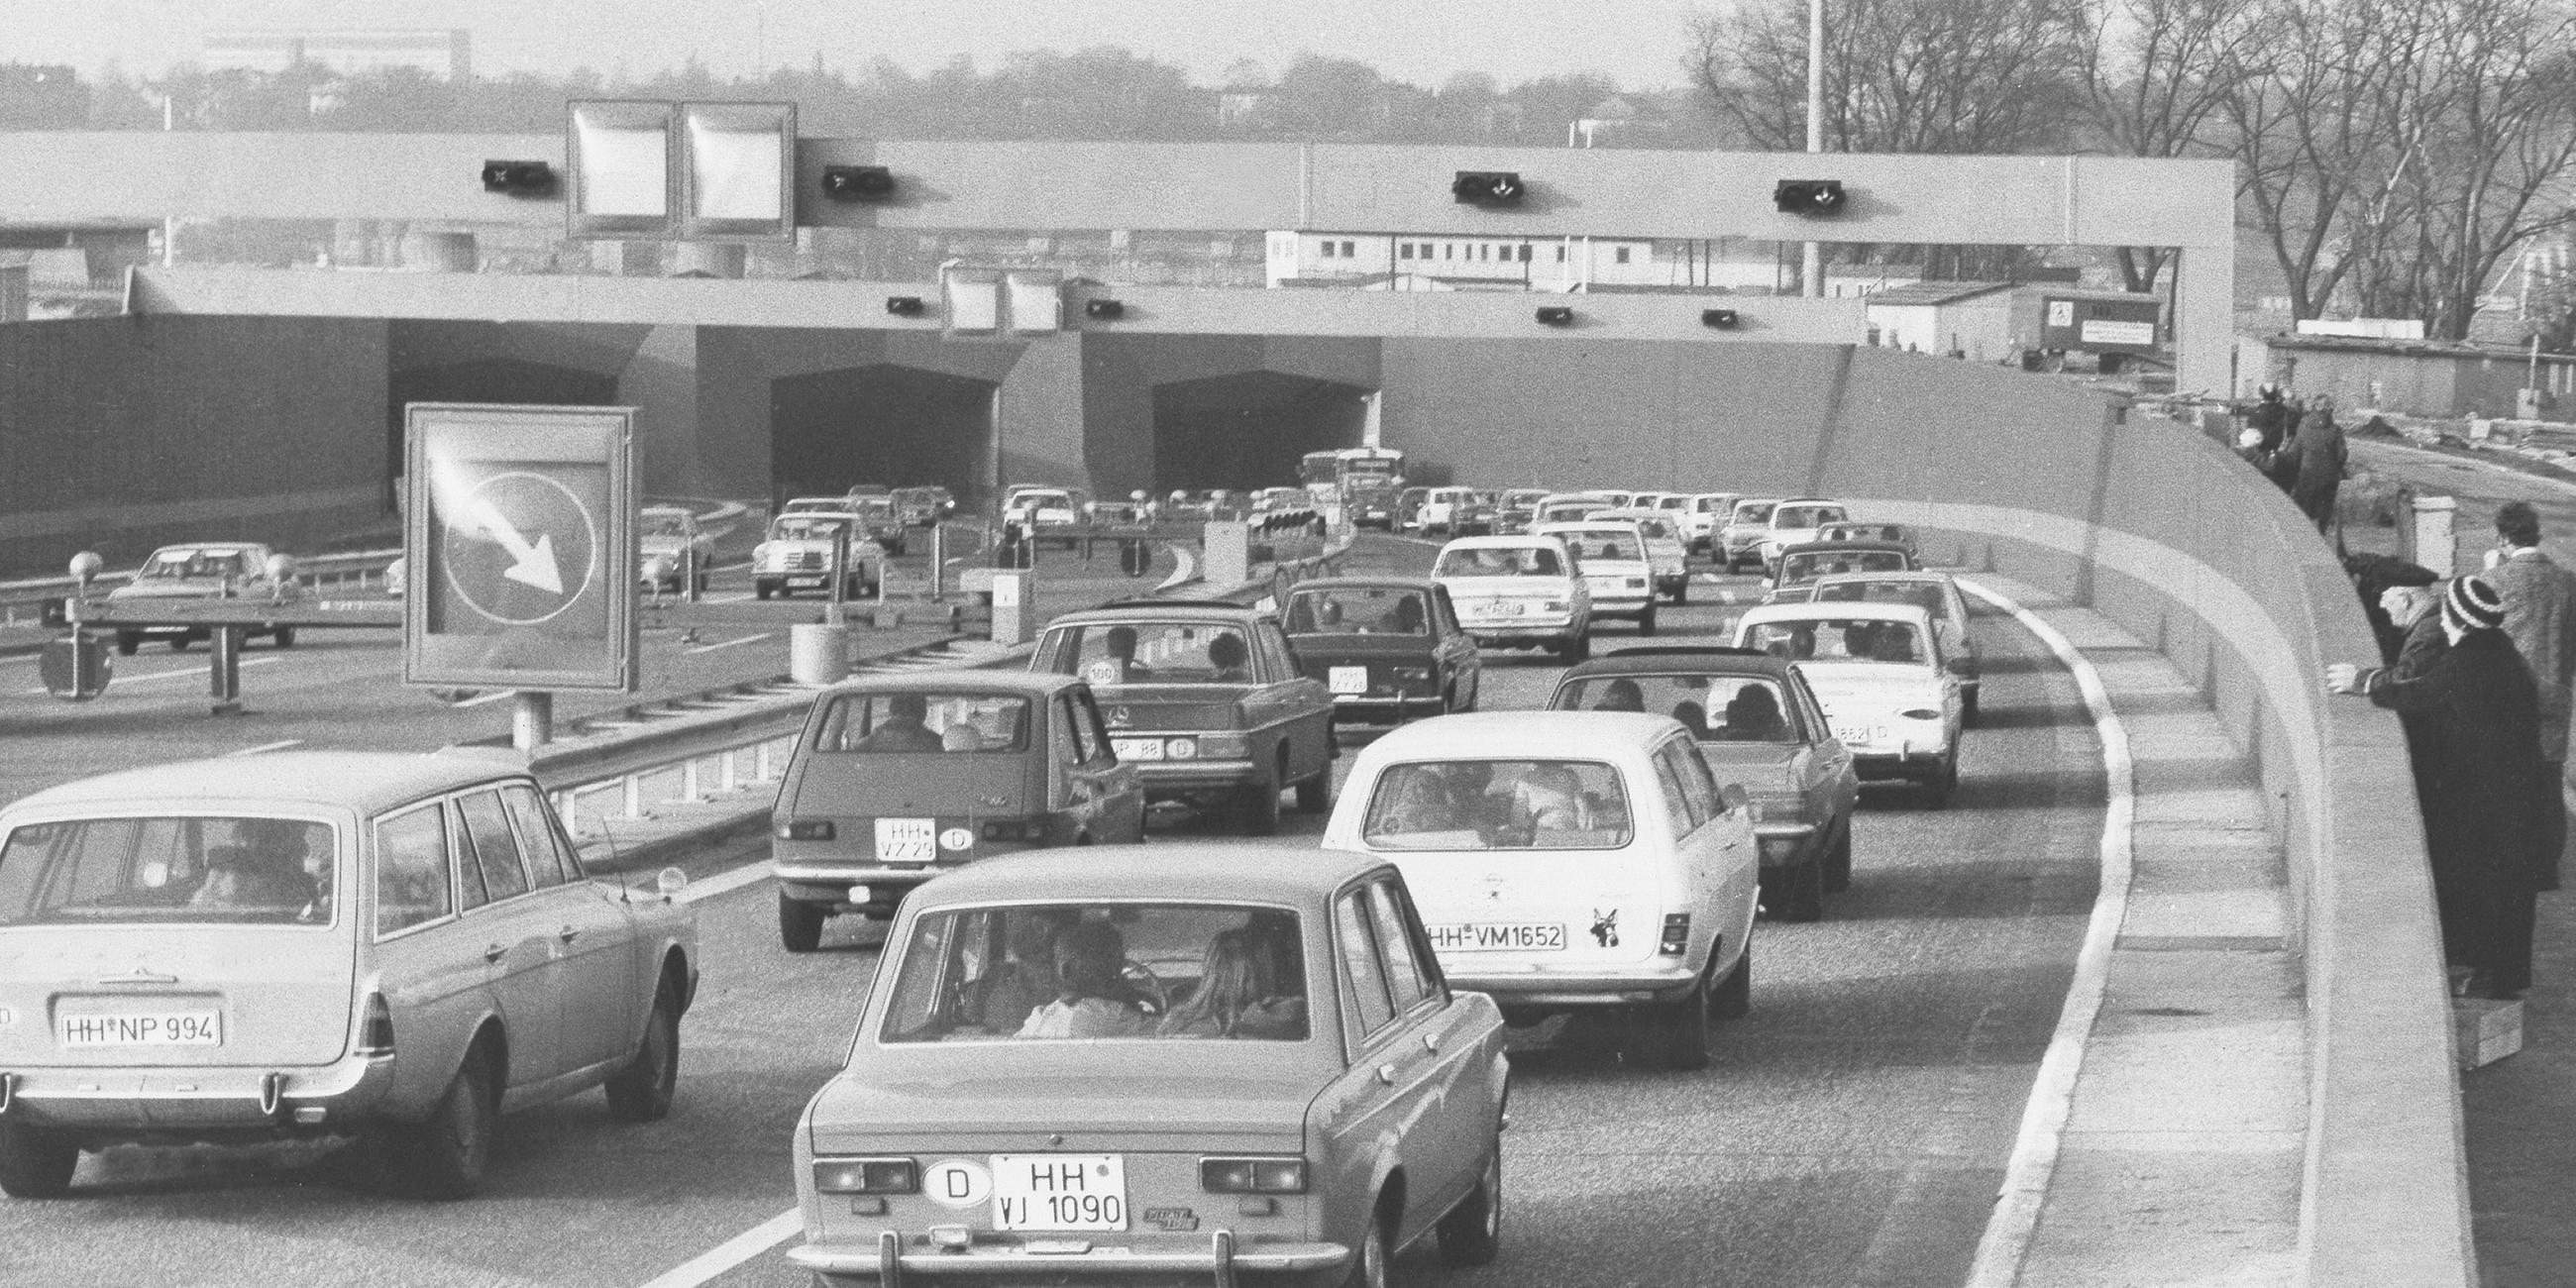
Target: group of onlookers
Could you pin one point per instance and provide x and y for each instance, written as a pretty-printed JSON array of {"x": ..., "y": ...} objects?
[
  {"x": 2481, "y": 672},
  {"x": 2299, "y": 447}
]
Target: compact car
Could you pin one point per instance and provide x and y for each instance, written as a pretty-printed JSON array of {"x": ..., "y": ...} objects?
[
  {"x": 1739, "y": 535},
  {"x": 1793, "y": 521},
  {"x": 1167, "y": 1064},
  {"x": 1518, "y": 592},
  {"x": 1761, "y": 729},
  {"x": 1206, "y": 699},
  {"x": 204, "y": 570},
  {"x": 1611, "y": 555},
  {"x": 1800, "y": 565},
  {"x": 1666, "y": 554},
  {"x": 1568, "y": 507},
  {"x": 1938, "y": 594},
  {"x": 1457, "y": 512},
  {"x": 800, "y": 548},
  {"x": 1515, "y": 509},
  {"x": 1389, "y": 648},
  {"x": 1569, "y": 862},
  {"x": 1700, "y": 516},
  {"x": 669, "y": 543},
  {"x": 898, "y": 778},
  {"x": 1036, "y": 507},
  {"x": 312, "y": 944},
  {"x": 1884, "y": 680}
]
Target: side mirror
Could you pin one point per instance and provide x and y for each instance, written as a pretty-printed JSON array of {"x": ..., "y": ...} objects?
[{"x": 670, "y": 882}]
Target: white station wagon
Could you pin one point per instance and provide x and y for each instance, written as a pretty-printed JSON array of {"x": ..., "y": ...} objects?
[
  {"x": 1518, "y": 592},
  {"x": 1882, "y": 672},
  {"x": 1569, "y": 862},
  {"x": 1616, "y": 567}
]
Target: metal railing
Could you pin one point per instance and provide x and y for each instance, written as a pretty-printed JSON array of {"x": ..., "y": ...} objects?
[{"x": 39, "y": 599}]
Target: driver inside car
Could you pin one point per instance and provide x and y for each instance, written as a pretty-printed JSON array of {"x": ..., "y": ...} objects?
[{"x": 1092, "y": 999}]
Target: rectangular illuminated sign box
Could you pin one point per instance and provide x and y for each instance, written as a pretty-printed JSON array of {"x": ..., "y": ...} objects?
[
  {"x": 618, "y": 153},
  {"x": 738, "y": 172},
  {"x": 519, "y": 546}
]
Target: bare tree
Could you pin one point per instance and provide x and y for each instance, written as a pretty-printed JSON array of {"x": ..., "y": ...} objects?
[{"x": 2154, "y": 76}]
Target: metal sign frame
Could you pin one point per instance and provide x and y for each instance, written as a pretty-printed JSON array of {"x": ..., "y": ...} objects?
[{"x": 522, "y": 479}]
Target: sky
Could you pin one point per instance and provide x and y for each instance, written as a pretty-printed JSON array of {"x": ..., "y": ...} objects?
[{"x": 1637, "y": 42}]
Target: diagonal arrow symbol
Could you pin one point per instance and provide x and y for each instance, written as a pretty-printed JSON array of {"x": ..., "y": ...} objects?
[{"x": 530, "y": 564}]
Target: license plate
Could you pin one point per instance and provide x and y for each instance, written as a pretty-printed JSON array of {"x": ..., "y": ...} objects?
[
  {"x": 1859, "y": 735},
  {"x": 804, "y": 581},
  {"x": 907, "y": 840},
  {"x": 141, "y": 1028},
  {"x": 1137, "y": 748},
  {"x": 1498, "y": 937},
  {"x": 1059, "y": 1192},
  {"x": 1350, "y": 679}
]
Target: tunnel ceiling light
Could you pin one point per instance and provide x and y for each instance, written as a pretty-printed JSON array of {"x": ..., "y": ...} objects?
[
  {"x": 519, "y": 178},
  {"x": 905, "y": 306},
  {"x": 1809, "y": 196},
  {"x": 1103, "y": 309},
  {"x": 1487, "y": 187},
  {"x": 858, "y": 183},
  {"x": 1556, "y": 315},
  {"x": 1720, "y": 318}
]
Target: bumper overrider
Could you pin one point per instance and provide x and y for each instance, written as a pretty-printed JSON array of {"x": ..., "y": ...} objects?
[
  {"x": 220, "y": 1105},
  {"x": 898, "y": 1259}
]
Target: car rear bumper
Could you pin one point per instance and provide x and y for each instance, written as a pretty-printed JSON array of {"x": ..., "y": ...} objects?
[
  {"x": 1165, "y": 779},
  {"x": 1911, "y": 763},
  {"x": 228, "y": 1104},
  {"x": 1379, "y": 706},
  {"x": 896, "y": 1260},
  {"x": 1661, "y": 980}
]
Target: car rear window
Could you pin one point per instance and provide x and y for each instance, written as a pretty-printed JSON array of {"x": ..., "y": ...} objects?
[
  {"x": 1837, "y": 640},
  {"x": 1498, "y": 805},
  {"x": 1715, "y": 708},
  {"x": 916, "y": 722},
  {"x": 1753, "y": 512},
  {"x": 1073, "y": 971},
  {"x": 1923, "y": 594},
  {"x": 1604, "y": 544},
  {"x": 1500, "y": 561},
  {"x": 1148, "y": 652},
  {"x": 1812, "y": 564},
  {"x": 165, "y": 870},
  {"x": 1358, "y": 610}
]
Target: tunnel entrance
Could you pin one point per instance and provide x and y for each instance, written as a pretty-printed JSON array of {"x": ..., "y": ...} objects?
[
  {"x": 1248, "y": 430},
  {"x": 486, "y": 380},
  {"x": 900, "y": 426}
]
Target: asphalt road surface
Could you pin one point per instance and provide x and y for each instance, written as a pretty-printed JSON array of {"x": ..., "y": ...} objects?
[{"x": 1852, "y": 1131}]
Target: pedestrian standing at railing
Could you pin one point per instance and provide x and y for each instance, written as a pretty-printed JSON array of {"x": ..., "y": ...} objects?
[
  {"x": 2482, "y": 821},
  {"x": 2540, "y": 618}
]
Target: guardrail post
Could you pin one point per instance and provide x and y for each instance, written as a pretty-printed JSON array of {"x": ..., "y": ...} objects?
[
  {"x": 725, "y": 780},
  {"x": 633, "y": 785},
  {"x": 689, "y": 793},
  {"x": 938, "y": 560}
]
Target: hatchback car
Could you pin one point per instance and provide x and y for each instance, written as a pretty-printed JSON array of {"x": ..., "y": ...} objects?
[
  {"x": 1169, "y": 1064},
  {"x": 1794, "y": 521},
  {"x": 1037, "y": 508},
  {"x": 1518, "y": 592},
  {"x": 1206, "y": 699},
  {"x": 1389, "y": 648},
  {"x": 1938, "y": 593},
  {"x": 1667, "y": 555},
  {"x": 923, "y": 507},
  {"x": 1761, "y": 729},
  {"x": 1800, "y": 565},
  {"x": 897, "y": 778},
  {"x": 310, "y": 944},
  {"x": 1569, "y": 862},
  {"x": 799, "y": 551},
  {"x": 1700, "y": 516},
  {"x": 203, "y": 570},
  {"x": 1739, "y": 535},
  {"x": 1568, "y": 507},
  {"x": 1611, "y": 555},
  {"x": 1885, "y": 683}
]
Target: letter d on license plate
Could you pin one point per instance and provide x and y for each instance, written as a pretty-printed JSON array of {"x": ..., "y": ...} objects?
[{"x": 1059, "y": 1192}]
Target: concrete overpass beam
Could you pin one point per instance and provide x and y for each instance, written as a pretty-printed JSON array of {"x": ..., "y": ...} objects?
[{"x": 2204, "y": 322}]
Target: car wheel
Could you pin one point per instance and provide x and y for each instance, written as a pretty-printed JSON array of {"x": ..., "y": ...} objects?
[
  {"x": 1576, "y": 649},
  {"x": 800, "y": 924},
  {"x": 446, "y": 1157},
  {"x": 1646, "y": 619},
  {"x": 1678, "y": 1038},
  {"x": 1368, "y": 1269},
  {"x": 179, "y": 643},
  {"x": 1944, "y": 781},
  {"x": 1968, "y": 710},
  {"x": 1472, "y": 1233},
  {"x": 1256, "y": 808},
  {"x": 284, "y": 635},
  {"x": 901, "y": 546},
  {"x": 641, "y": 1092},
  {"x": 128, "y": 641},
  {"x": 1838, "y": 862},
  {"x": 705, "y": 580},
  {"x": 762, "y": 590},
  {"x": 1795, "y": 893},
  {"x": 35, "y": 1163},
  {"x": 1733, "y": 999},
  {"x": 1315, "y": 795},
  {"x": 1681, "y": 593}
]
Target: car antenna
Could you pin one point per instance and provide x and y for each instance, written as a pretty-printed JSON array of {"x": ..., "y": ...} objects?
[{"x": 625, "y": 893}]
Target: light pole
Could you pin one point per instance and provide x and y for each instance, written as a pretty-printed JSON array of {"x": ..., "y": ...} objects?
[{"x": 1811, "y": 265}]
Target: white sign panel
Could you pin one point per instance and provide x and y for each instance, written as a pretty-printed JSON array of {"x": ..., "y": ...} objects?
[{"x": 2103, "y": 331}]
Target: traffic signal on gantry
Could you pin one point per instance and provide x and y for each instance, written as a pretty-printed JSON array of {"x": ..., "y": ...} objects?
[{"x": 1809, "y": 196}]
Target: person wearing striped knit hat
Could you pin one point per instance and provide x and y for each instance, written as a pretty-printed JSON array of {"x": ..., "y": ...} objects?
[{"x": 2483, "y": 803}]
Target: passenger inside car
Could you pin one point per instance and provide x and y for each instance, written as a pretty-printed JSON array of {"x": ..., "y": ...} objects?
[
  {"x": 1005, "y": 997},
  {"x": 1226, "y": 658},
  {"x": 1894, "y": 642},
  {"x": 1405, "y": 618},
  {"x": 1753, "y": 715},
  {"x": 1092, "y": 999},
  {"x": 1621, "y": 695},
  {"x": 263, "y": 874},
  {"x": 1694, "y": 717},
  {"x": 1242, "y": 992},
  {"x": 906, "y": 727}
]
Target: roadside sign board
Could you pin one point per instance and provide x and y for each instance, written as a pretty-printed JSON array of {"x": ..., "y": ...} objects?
[{"x": 519, "y": 541}]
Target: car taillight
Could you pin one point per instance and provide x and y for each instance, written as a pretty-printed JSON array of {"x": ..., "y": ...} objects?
[
  {"x": 1253, "y": 1175},
  {"x": 806, "y": 830},
  {"x": 867, "y": 1176},
  {"x": 1007, "y": 829},
  {"x": 376, "y": 1032},
  {"x": 1676, "y": 934},
  {"x": 1222, "y": 746}
]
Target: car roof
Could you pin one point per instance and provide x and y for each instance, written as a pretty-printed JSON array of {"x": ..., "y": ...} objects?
[
  {"x": 1520, "y": 735},
  {"x": 1162, "y": 871},
  {"x": 1838, "y": 609},
  {"x": 1034, "y": 684},
  {"x": 1508, "y": 541},
  {"x": 1843, "y": 548},
  {"x": 1933, "y": 575},
  {"x": 208, "y": 545},
  {"x": 1668, "y": 660},
  {"x": 363, "y": 780},
  {"x": 1359, "y": 581},
  {"x": 1586, "y": 525},
  {"x": 1808, "y": 500},
  {"x": 1160, "y": 609}
]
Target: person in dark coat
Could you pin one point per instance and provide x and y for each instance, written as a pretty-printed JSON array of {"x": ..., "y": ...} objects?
[
  {"x": 2482, "y": 820},
  {"x": 2318, "y": 474},
  {"x": 2270, "y": 421}
]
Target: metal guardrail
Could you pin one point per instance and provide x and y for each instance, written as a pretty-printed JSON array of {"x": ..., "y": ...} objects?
[{"x": 32, "y": 600}]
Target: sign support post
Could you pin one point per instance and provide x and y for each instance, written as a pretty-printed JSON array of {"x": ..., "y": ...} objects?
[{"x": 532, "y": 719}]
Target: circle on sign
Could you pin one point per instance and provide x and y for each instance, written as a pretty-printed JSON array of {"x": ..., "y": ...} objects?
[
  {"x": 956, "y": 838},
  {"x": 957, "y": 1182},
  {"x": 488, "y": 510}
]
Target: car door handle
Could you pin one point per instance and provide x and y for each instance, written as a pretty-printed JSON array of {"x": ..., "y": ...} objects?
[
  {"x": 1431, "y": 1042},
  {"x": 568, "y": 934},
  {"x": 495, "y": 952},
  {"x": 1386, "y": 1074}
]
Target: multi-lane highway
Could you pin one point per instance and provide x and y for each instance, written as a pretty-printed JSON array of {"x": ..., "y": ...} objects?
[{"x": 1852, "y": 1131}]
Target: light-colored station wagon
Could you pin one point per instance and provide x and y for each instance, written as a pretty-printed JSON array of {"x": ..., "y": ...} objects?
[{"x": 319, "y": 944}]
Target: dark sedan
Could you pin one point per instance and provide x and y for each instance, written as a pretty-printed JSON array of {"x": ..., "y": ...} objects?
[{"x": 1389, "y": 648}]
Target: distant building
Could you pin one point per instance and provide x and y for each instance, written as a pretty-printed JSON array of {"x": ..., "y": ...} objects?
[
  {"x": 2436, "y": 378},
  {"x": 444, "y": 54},
  {"x": 1618, "y": 121},
  {"x": 1970, "y": 318}
]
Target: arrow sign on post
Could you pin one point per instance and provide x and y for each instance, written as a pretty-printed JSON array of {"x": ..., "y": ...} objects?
[{"x": 530, "y": 564}]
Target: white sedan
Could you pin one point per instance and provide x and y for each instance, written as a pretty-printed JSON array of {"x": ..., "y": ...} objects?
[{"x": 1881, "y": 671}]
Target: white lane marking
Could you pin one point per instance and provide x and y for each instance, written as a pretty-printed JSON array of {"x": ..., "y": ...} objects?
[
  {"x": 710, "y": 648},
  {"x": 732, "y": 1252},
  {"x": 164, "y": 675},
  {"x": 2007, "y": 1238},
  {"x": 488, "y": 697},
  {"x": 726, "y": 882},
  {"x": 267, "y": 746}
]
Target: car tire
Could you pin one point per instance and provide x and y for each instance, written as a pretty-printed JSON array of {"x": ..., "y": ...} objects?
[
  {"x": 284, "y": 636},
  {"x": 1796, "y": 893},
  {"x": 1681, "y": 593},
  {"x": 1576, "y": 649},
  {"x": 447, "y": 1155},
  {"x": 704, "y": 581},
  {"x": 800, "y": 924},
  {"x": 1678, "y": 1034},
  {"x": 1733, "y": 999},
  {"x": 179, "y": 643},
  {"x": 128, "y": 641},
  {"x": 1943, "y": 783},
  {"x": 1256, "y": 808},
  {"x": 762, "y": 590},
  {"x": 1315, "y": 795},
  {"x": 901, "y": 546},
  {"x": 642, "y": 1091},
  {"x": 1968, "y": 709},
  {"x": 1472, "y": 1233},
  {"x": 35, "y": 1163},
  {"x": 1646, "y": 619},
  {"x": 1369, "y": 1268},
  {"x": 1838, "y": 862}
]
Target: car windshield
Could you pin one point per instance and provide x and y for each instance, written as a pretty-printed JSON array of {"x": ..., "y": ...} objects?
[
  {"x": 1716, "y": 708},
  {"x": 1921, "y": 593},
  {"x": 1070, "y": 971},
  {"x": 195, "y": 563},
  {"x": 808, "y": 527},
  {"x": 1604, "y": 543},
  {"x": 1866, "y": 639},
  {"x": 1149, "y": 652},
  {"x": 166, "y": 869},
  {"x": 1708, "y": 504},
  {"x": 872, "y": 505},
  {"x": 943, "y": 722},
  {"x": 1753, "y": 512},
  {"x": 1049, "y": 500},
  {"x": 1498, "y": 805},
  {"x": 1803, "y": 516},
  {"x": 1500, "y": 561},
  {"x": 1811, "y": 564},
  {"x": 1358, "y": 610}
]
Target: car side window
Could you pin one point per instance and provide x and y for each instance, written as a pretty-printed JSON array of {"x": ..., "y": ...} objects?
[
  {"x": 1677, "y": 807},
  {"x": 1097, "y": 730},
  {"x": 1447, "y": 616},
  {"x": 496, "y": 852},
  {"x": 550, "y": 856},
  {"x": 470, "y": 893},
  {"x": 1404, "y": 970},
  {"x": 1698, "y": 780},
  {"x": 1061, "y": 746},
  {"x": 411, "y": 870},
  {"x": 1279, "y": 660},
  {"x": 1360, "y": 964},
  {"x": 1811, "y": 713},
  {"x": 1079, "y": 733}
]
